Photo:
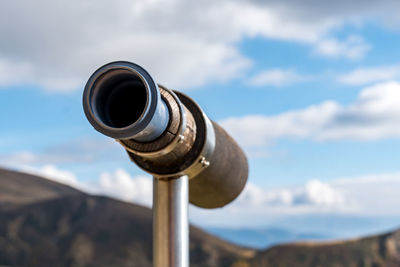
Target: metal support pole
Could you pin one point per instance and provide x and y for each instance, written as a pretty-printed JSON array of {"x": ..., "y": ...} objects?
[{"x": 170, "y": 222}]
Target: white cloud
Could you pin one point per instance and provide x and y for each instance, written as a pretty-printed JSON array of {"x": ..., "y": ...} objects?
[
  {"x": 370, "y": 195},
  {"x": 122, "y": 185},
  {"x": 62, "y": 176},
  {"x": 58, "y": 44},
  {"x": 374, "y": 115},
  {"x": 85, "y": 150},
  {"x": 277, "y": 77},
  {"x": 52, "y": 172},
  {"x": 314, "y": 193},
  {"x": 13, "y": 73},
  {"x": 369, "y": 75},
  {"x": 26, "y": 158},
  {"x": 375, "y": 194},
  {"x": 320, "y": 193},
  {"x": 255, "y": 130},
  {"x": 354, "y": 48},
  {"x": 19, "y": 158},
  {"x": 119, "y": 184}
]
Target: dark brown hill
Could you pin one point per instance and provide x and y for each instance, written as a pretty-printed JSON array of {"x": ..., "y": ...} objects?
[
  {"x": 76, "y": 229},
  {"x": 44, "y": 223},
  {"x": 376, "y": 251},
  {"x": 21, "y": 188}
]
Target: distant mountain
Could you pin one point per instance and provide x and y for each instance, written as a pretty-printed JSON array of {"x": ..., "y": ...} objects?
[
  {"x": 310, "y": 227},
  {"x": 263, "y": 238},
  {"x": 44, "y": 223},
  {"x": 341, "y": 226},
  {"x": 22, "y": 188},
  {"x": 53, "y": 225},
  {"x": 376, "y": 251}
]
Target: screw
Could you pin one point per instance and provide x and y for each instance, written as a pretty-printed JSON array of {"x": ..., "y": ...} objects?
[{"x": 204, "y": 163}]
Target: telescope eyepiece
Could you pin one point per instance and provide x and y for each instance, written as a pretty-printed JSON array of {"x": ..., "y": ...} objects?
[
  {"x": 122, "y": 101},
  {"x": 165, "y": 133}
]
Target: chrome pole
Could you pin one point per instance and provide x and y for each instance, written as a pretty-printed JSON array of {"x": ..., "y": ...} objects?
[{"x": 170, "y": 222}]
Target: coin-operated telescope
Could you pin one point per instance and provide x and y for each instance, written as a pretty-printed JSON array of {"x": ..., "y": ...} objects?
[{"x": 168, "y": 135}]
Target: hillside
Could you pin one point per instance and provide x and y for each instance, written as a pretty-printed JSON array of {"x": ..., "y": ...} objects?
[
  {"x": 22, "y": 188},
  {"x": 376, "y": 251},
  {"x": 70, "y": 228},
  {"x": 44, "y": 223}
]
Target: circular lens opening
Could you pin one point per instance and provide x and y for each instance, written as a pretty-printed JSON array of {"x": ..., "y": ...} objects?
[{"x": 120, "y": 98}]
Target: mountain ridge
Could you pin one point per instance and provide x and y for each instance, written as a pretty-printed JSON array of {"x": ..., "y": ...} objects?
[
  {"x": 21, "y": 188},
  {"x": 66, "y": 227},
  {"x": 45, "y": 223},
  {"x": 375, "y": 251}
]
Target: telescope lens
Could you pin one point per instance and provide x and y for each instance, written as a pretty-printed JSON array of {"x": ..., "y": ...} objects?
[
  {"x": 122, "y": 101},
  {"x": 121, "y": 98},
  {"x": 125, "y": 104}
]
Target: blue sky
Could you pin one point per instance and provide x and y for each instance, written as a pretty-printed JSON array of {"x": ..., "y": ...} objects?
[{"x": 311, "y": 91}]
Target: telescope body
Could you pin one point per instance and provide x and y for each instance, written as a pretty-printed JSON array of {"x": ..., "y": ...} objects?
[{"x": 165, "y": 133}]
